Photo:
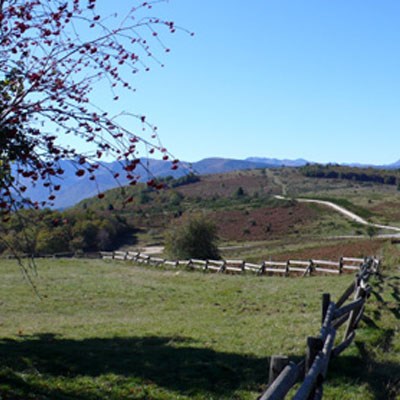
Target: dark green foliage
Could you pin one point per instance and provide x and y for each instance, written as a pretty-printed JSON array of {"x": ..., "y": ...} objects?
[
  {"x": 372, "y": 231},
  {"x": 184, "y": 180},
  {"x": 51, "y": 232},
  {"x": 51, "y": 240},
  {"x": 350, "y": 173},
  {"x": 196, "y": 237},
  {"x": 239, "y": 192}
]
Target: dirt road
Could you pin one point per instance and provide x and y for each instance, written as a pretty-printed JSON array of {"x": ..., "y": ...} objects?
[{"x": 345, "y": 212}]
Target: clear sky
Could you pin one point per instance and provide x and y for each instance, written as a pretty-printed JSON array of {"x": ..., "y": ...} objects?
[{"x": 314, "y": 79}]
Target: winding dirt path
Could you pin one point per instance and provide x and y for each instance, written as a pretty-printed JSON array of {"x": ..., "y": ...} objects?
[{"x": 345, "y": 212}]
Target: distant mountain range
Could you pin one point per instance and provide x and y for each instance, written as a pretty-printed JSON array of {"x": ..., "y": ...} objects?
[
  {"x": 299, "y": 162},
  {"x": 75, "y": 189}
]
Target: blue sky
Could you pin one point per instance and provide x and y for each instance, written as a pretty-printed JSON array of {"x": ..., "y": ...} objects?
[{"x": 314, "y": 79}]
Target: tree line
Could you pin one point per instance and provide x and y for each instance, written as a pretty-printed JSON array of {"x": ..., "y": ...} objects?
[
  {"x": 352, "y": 174},
  {"x": 50, "y": 232}
]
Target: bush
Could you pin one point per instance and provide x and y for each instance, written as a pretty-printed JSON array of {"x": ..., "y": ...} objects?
[
  {"x": 239, "y": 192},
  {"x": 51, "y": 241},
  {"x": 194, "y": 238}
]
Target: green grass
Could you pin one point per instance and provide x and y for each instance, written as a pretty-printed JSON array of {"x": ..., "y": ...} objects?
[
  {"x": 345, "y": 203},
  {"x": 377, "y": 345},
  {"x": 115, "y": 331}
]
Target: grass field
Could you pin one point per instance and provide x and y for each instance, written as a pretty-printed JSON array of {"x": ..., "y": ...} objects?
[{"x": 115, "y": 331}]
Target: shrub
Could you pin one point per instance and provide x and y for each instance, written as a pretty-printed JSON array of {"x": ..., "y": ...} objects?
[
  {"x": 372, "y": 231},
  {"x": 51, "y": 241},
  {"x": 239, "y": 192},
  {"x": 195, "y": 237}
]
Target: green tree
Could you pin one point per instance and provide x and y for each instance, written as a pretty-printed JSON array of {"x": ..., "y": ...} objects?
[
  {"x": 85, "y": 235},
  {"x": 51, "y": 241},
  {"x": 239, "y": 192},
  {"x": 195, "y": 237},
  {"x": 372, "y": 231}
]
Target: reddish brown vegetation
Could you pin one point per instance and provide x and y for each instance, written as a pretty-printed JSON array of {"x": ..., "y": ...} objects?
[
  {"x": 389, "y": 210},
  {"x": 224, "y": 185},
  {"x": 262, "y": 223},
  {"x": 357, "y": 248}
]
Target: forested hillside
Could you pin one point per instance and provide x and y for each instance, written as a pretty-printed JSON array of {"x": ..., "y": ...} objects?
[{"x": 329, "y": 171}]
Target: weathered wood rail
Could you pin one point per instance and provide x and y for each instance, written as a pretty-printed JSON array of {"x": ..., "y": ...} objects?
[
  {"x": 311, "y": 372},
  {"x": 305, "y": 268}
]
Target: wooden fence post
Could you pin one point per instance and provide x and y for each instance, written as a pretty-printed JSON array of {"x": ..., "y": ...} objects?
[
  {"x": 326, "y": 299},
  {"x": 340, "y": 265},
  {"x": 311, "y": 268},
  {"x": 262, "y": 269},
  {"x": 223, "y": 267},
  {"x": 243, "y": 266},
  {"x": 276, "y": 366},
  {"x": 314, "y": 346}
]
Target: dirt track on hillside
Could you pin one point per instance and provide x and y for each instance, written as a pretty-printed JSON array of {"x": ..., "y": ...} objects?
[{"x": 345, "y": 212}]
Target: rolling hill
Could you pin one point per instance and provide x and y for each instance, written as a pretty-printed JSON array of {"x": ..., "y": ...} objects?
[{"x": 74, "y": 189}]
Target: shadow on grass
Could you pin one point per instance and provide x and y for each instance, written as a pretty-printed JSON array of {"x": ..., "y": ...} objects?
[
  {"x": 382, "y": 378},
  {"x": 392, "y": 288},
  {"x": 172, "y": 363},
  {"x": 48, "y": 367}
]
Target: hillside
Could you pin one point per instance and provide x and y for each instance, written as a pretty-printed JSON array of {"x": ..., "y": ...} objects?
[
  {"x": 250, "y": 221},
  {"x": 75, "y": 189},
  {"x": 243, "y": 205}
]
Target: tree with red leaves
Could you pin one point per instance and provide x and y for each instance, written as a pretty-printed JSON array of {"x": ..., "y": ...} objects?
[{"x": 52, "y": 55}]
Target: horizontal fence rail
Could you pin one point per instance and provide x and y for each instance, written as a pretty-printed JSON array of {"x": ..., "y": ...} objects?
[
  {"x": 311, "y": 372},
  {"x": 299, "y": 267}
]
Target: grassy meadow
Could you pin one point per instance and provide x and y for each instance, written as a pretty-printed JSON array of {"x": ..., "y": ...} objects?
[
  {"x": 109, "y": 330},
  {"x": 113, "y": 330}
]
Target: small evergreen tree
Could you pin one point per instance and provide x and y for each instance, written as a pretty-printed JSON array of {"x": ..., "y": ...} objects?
[
  {"x": 239, "y": 192},
  {"x": 372, "y": 231},
  {"x": 196, "y": 237}
]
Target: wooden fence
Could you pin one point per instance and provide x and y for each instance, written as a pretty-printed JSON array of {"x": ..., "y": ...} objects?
[
  {"x": 311, "y": 372},
  {"x": 302, "y": 267}
]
